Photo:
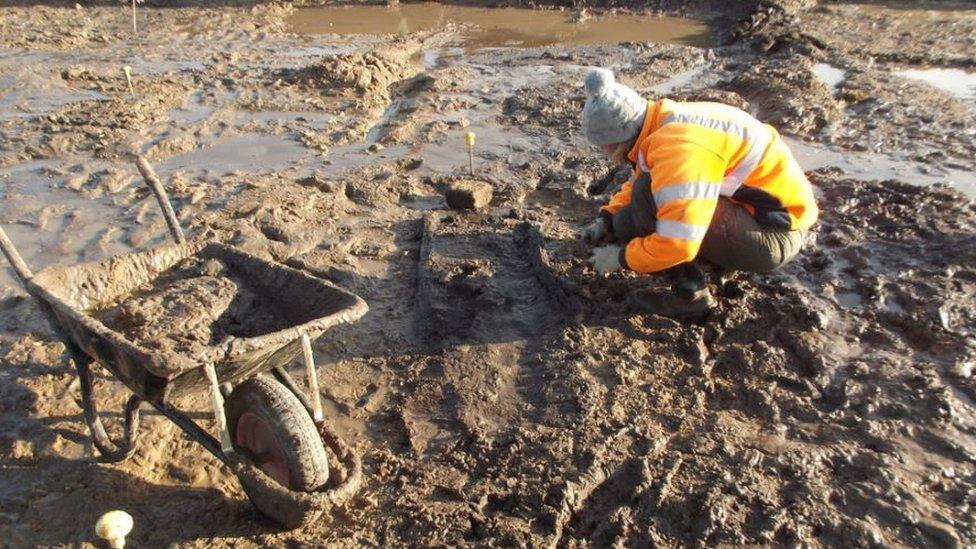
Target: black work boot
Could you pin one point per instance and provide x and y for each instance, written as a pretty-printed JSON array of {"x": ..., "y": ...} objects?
[
  {"x": 726, "y": 283},
  {"x": 688, "y": 298},
  {"x": 674, "y": 304}
]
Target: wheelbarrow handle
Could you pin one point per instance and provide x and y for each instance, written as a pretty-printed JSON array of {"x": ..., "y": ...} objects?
[
  {"x": 152, "y": 181},
  {"x": 13, "y": 256}
]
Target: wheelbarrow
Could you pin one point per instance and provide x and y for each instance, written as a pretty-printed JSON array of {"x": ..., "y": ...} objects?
[{"x": 268, "y": 431}]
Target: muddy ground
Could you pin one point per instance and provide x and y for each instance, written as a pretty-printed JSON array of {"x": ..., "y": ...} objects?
[{"x": 498, "y": 391}]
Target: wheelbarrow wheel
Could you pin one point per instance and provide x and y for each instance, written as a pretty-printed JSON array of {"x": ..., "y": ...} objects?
[{"x": 269, "y": 425}]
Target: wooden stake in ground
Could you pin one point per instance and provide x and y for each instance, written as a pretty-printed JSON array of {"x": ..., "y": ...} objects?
[
  {"x": 135, "y": 28},
  {"x": 128, "y": 77}
]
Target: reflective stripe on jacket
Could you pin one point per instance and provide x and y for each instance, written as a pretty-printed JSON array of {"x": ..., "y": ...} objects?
[{"x": 696, "y": 152}]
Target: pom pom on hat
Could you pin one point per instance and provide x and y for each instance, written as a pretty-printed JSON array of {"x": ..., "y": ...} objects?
[{"x": 598, "y": 81}]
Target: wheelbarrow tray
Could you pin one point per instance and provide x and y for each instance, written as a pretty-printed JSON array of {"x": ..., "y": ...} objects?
[{"x": 303, "y": 303}]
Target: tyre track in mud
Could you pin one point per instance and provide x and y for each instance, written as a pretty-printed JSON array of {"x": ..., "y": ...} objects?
[
  {"x": 485, "y": 295},
  {"x": 556, "y": 389},
  {"x": 560, "y": 402},
  {"x": 482, "y": 378}
]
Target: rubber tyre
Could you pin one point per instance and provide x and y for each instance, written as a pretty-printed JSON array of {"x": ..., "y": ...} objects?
[{"x": 286, "y": 425}]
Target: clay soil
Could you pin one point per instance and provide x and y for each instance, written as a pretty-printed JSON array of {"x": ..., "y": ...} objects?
[
  {"x": 498, "y": 390},
  {"x": 189, "y": 308}
]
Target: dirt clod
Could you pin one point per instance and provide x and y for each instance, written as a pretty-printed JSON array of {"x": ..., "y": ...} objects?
[
  {"x": 469, "y": 194},
  {"x": 189, "y": 309}
]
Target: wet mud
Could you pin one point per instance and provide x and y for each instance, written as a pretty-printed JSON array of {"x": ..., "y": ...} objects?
[
  {"x": 497, "y": 389},
  {"x": 189, "y": 308}
]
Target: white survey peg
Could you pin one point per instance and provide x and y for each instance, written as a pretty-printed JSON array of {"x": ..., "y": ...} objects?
[
  {"x": 128, "y": 76},
  {"x": 469, "y": 139},
  {"x": 113, "y": 526}
]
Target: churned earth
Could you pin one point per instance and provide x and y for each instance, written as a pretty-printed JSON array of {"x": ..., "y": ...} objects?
[{"x": 497, "y": 390}]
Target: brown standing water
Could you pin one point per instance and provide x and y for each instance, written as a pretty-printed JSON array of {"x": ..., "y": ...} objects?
[{"x": 498, "y": 27}]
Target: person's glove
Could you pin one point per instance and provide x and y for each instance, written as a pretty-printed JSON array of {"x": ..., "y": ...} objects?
[
  {"x": 606, "y": 259},
  {"x": 596, "y": 231}
]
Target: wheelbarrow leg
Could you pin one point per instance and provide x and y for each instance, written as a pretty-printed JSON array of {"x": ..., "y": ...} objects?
[
  {"x": 313, "y": 378},
  {"x": 313, "y": 404},
  {"x": 220, "y": 415},
  {"x": 110, "y": 450}
]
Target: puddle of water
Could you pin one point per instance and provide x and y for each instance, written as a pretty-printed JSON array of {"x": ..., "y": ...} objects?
[
  {"x": 145, "y": 66},
  {"x": 956, "y": 82},
  {"x": 499, "y": 27},
  {"x": 252, "y": 152},
  {"x": 830, "y": 75},
  {"x": 295, "y": 58},
  {"x": 192, "y": 112},
  {"x": 315, "y": 120},
  {"x": 868, "y": 166},
  {"x": 27, "y": 103},
  {"x": 678, "y": 81},
  {"x": 425, "y": 203},
  {"x": 849, "y": 299},
  {"x": 492, "y": 144},
  {"x": 78, "y": 228},
  {"x": 25, "y": 94},
  {"x": 449, "y": 154},
  {"x": 319, "y": 51},
  {"x": 430, "y": 59}
]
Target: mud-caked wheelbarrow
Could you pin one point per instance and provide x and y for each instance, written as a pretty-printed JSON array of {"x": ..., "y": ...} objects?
[{"x": 269, "y": 432}]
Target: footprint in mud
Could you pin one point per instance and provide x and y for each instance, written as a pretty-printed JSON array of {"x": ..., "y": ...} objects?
[{"x": 274, "y": 233}]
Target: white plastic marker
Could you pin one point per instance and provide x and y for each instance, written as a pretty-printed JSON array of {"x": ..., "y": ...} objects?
[
  {"x": 469, "y": 139},
  {"x": 113, "y": 526},
  {"x": 135, "y": 29},
  {"x": 128, "y": 77}
]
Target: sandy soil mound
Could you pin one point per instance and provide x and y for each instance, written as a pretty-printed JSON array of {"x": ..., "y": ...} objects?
[
  {"x": 788, "y": 93},
  {"x": 368, "y": 77}
]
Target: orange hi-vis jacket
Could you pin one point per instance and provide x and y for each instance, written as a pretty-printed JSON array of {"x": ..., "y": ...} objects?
[{"x": 695, "y": 153}]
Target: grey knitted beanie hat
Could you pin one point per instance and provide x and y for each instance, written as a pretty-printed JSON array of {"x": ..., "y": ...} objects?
[{"x": 614, "y": 113}]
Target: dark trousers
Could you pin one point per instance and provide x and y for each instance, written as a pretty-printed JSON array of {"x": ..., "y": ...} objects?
[{"x": 734, "y": 241}]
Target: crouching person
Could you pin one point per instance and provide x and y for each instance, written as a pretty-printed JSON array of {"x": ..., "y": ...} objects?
[{"x": 710, "y": 183}]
